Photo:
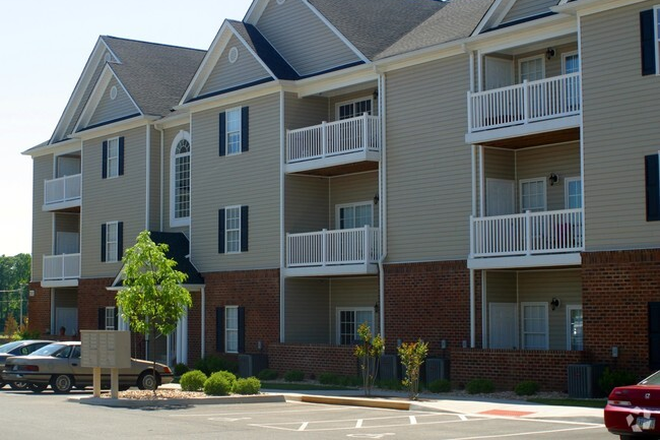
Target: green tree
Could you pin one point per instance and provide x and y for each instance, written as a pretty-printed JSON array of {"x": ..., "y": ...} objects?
[
  {"x": 153, "y": 299},
  {"x": 14, "y": 278},
  {"x": 369, "y": 351},
  {"x": 412, "y": 357}
]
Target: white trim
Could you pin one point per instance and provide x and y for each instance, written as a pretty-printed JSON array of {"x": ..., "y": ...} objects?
[
  {"x": 353, "y": 102},
  {"x": 569, "y": 309},
  {"x": 338, "y": 311},
  {"x": 107, "y": 158},
  {"x": 544, "y": 305},
  {"x": 570, "y": 54},
  {"x": 110, "y": 309},
  {"x": 526, "y": 261},
  {"x": 567, "y": 181},
  {"x": 182, "y": 221},
  {"x": 528, "y": 59},
  {"x": 232, "y": 56},
  {"x": 544, "y": 183},
  {"x": 226, "y": 329},
  {"x": 240, "y": 232},
  {"x": 240, "y": 131},
  {"x": 341, "y": 206},
  {"x": 109, "y": 258}
]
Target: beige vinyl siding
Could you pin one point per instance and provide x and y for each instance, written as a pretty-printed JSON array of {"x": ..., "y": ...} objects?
[
  {"x": 154, "y": 180},
  {"x": 307, "y": 316},
  {"x": 226, "y": 75},
  {"x": 109, "y": 110},
  {"x": 356, "y": 188},
  {"x": 307, "y": 207},
  {"x": 306, "y": 112},
  {"x": 429, "y": 178},
  {"x": 117, "y": 199},
  {"x": 360, "y": 95},
  {"x": 499, "y": 164},
  {"x": 552, "y": 66},
  {"x": 67, "y": 222},
  {"x": 42, "y": 222},
  {"x": 251, "y": 178},
  {"x": 527, "y": 8},
  {"x": 168, "y": 148},
  {"x": 349, "y": 293},
  {"x": 85, "y": 96},
  {"x": 304, "y": 41},
  {"x": 620, "y": 128}
]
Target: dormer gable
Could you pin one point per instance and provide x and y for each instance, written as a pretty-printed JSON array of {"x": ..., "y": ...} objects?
[{"x": 507, "y": 12}]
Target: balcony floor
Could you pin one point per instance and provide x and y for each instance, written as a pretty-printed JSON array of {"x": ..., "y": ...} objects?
[
  {"x": 521, "y": 136},
  {"x": 336, "y": 166},
  {"x": 526, "y": 261},
  {"x": 332, "y": 271}
]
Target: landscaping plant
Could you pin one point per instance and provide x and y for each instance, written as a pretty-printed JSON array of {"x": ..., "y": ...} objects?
[
  {"x": 369, "y": 351},
  {"x": 193, "y": 381},
  {"x": 412, "y": 357},
  {"x": 250, "y": 385}
]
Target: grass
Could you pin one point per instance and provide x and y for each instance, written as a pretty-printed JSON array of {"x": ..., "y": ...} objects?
[
  {"x": 300, "y": 386},
  {"x": 589, "y": 403}
]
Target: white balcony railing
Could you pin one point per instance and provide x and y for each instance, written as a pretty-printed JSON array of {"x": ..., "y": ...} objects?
[
  {"x": 527, "y": 234},
  {"x": 531, "y": 101},
  {"x": 330, "y": 139},
  {"x": 62, "y": 189},
  {"x": 338, "y": 247},
  {"x": 61, "y": 267}
]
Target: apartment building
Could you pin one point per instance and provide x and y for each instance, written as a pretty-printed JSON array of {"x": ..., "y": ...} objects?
[{"x": 480, "y": 174}]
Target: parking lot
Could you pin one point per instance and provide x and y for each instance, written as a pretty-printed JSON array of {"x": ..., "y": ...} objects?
[{"x": 26, "y": 415}]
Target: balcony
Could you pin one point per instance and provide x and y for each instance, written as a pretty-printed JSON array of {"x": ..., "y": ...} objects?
[
  {"x": 526, "y": 240},
  {"x": 334, "y": 145},
  {"x": 337, "y": 252},
  {"x": 61, "y": 270},
  {"x": 530, "y": 108},
  {"x": 62, "y": 193}
]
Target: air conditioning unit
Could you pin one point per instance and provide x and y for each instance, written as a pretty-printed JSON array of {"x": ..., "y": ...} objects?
[
  {"x": 437, "y": 368},
  {"x": 389, "y": 364},
  {"x": 251, "y": 364},
  {"x": 583, "y": 380}
]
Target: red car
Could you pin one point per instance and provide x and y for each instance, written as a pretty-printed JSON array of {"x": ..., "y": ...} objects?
[{"x": 633, "y": 411}]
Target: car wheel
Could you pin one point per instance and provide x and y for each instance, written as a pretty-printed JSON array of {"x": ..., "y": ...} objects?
[
  {"x": 36, "y": 387},
  {"x": 18, "y": 385},
  {"x": 147, "y": 380},
  {"x": 62, "y": 383}
]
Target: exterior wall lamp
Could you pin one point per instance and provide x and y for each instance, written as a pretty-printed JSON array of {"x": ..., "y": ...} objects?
[
  {"x": 555, "y": 303},
  {"x": 550, "y": 53},
  {"x": 554, "y": 178}
]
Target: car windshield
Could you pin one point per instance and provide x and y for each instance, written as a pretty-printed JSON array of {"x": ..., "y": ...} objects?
[
  {"x": 653, "y": 379},
  {"x": 6, "y": 348},
  {"x": 49, "y": 350}
]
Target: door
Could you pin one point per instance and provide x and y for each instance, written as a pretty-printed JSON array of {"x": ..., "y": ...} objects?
[
  {"x": 499, "y": 72},
  {"x": 68, "y": 166},
  {"x": 503, "y": 326},
  {"x": 570, "y": 63},
  {"x": 67, "y": 243},
  {"x": 500, "y": 197},
  {"x": 66, "y": 317}
]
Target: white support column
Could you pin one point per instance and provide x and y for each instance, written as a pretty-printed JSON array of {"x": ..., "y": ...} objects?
[
  {"x": 473, "y": 331},
  {"x": 484, "y": 310},
  {"x": 482, "y": 183}
]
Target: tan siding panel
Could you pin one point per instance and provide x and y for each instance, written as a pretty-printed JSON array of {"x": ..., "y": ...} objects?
[
  {"x": 85, "y": 96},
  {"x": 357, "y": 188},
  {"x": 42, "y": 222},
  {"x": 349, "y": 293},
  {"x": 305, "y": 112},
  {"x": 307, "y": 207},
  {"x": 307, "y": 311},
  {"x": 527, "y": 8},
  {"x": 108, "y": 109}
]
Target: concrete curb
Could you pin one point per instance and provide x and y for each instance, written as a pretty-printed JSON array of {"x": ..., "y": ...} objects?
[{"x": 161, "y": 403}]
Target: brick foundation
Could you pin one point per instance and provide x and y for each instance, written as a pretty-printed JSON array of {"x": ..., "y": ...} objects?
[
  {"x": 313, "y": 359},
  {"x": 92, "y": 295},
  {"x": 39, "y": 309}
]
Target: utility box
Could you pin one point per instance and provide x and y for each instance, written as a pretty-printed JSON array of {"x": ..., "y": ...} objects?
[
  {"x": 105, "y": 349},
  {"x": 388, "y": 367},
  {"x": 583, "y": 380},
  {"x": 437, "y": 368},
  {"x": 251, "y": 364}
]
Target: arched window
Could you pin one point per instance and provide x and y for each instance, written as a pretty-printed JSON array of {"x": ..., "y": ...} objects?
[{"x": 180, "y": 180}]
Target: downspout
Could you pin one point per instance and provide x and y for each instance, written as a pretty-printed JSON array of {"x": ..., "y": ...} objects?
[
  {"x": 147, "y": 191},
  {"x": 162, "y": 164},
  {"x": 203, "y": 338},
  {"x": 282, "y": 233},
  {"x": 382, "y": 180}
]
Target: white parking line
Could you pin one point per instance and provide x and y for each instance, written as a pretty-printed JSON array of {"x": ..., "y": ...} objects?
[
  {"x": 527, "y": 434},
  {"x": 413, "y": 420}
]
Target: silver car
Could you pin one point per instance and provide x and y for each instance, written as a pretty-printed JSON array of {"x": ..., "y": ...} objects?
[
  {"x": 59, "y": 366},
  {"x": 18, "y": 348}
]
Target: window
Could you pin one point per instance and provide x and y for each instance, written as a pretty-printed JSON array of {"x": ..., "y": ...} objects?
[
  {"x": 233, "y": 230},
  {"x": 234, "y": 126},
  {"x": 532, "y": 194},
  {"x": 180, "y": 180},
  {"x": 573, "y": 192},
  {"x": 112, "y": 242},
  {"x": 574, "y": 327},
  {"x": 570, "y": 62},
  {"x": 650, "y": 40},
  {"x": 535, "y": 326},
  {"x": 652, "y": 178},
  {"x": 110, "y": 318},
  {"x": 231, "y": 329},
  {"x": 113, "y": 158},
  {"x": 348, "y": 321},
  {"x": 352, "y": 109},
  {"x": 355, "y": 215},
  {"x": 531, "y": 69}
]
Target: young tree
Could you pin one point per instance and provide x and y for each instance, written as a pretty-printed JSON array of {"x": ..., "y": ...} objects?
[
  {"x": 412, "y": 357},
  {"x": 369, "y": 352},
  {"x": 153, "y": 300}
]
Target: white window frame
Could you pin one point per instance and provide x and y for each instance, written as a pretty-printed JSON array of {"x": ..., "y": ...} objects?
[
  {"x": 231, "y": 332},
  {"x": 338, "y": 312},
  {"x": 339, "y": 207},
  {"x": 112, "y": 161},
  {"x": 353, "y": 102},
  {"x": 544, "y": 185},
  {"x": 656, "y": 39},
  {"x": 174, "y": 220},
  {"x": 569, "y": 309},
  {"x": 110, "y": 318},
  {"x": 523, "y": 333},
  {"x": 567, "y": 182},
  {"x": 528, "y": 59},
  {"x": 228, "y": 249},
  {"x": 563, "y": 60},
  {"x": 239, "y": 132},
  {"x": 109, "y": 257}
]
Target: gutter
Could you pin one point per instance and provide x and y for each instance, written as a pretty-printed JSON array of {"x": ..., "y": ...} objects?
[{"x": 382, "y": 179}]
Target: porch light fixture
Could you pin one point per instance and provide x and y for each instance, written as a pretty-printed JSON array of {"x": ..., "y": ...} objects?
[
  {"x": 553, "y": 179},
  {"x": 375, "y": 94},
  {"x": 555, "y": 303},
  {"x": 376, "y": 199},
  {"x": 376, "y": 308},
  {"x": 550, "y": 53}
]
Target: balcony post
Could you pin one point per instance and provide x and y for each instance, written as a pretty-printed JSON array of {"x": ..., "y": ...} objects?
[
  {"x": 324, "y": 257},
  {"x": 525, "y": 102},
  {"x": 528, "y": 231},
  {"x": 471, "y": 236},
  {"x": 365, "y": 130},
  {"x": 324, "y": 138},
  {"x": 469, "y": 113},
  {"x": 367, "y": 246}
]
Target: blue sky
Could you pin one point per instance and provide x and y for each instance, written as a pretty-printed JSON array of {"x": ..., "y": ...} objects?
[{"x": 44, "y": 45}]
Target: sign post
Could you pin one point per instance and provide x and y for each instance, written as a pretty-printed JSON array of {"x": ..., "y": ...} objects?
[{"x": 105, "y": 349}]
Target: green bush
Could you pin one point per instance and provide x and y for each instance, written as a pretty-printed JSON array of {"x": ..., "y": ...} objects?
[
  {"x": 180, "y": 369},
  {"x": 267, "y": 374},
  {"x": 211, "y": 364},
  {"x": 350, "y": 381},
  {"x": 217, "y": 385},
  {"x": 439, "y": 386},
  {"x": 251, "y": 385},
  {"x": 480, "y": 386},
  {"x": 294, "y": 376},
  {"x": 192, "y": 380},
  {"x": 526, "y": 388},
  {"x": 390, "y": 384},
  {"x": 615, "y": 378},
  {"x": 231, "y": 377},
  {"x": 329, "y": 379}
]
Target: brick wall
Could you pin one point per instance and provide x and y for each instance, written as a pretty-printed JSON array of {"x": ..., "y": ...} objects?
[
  {"x": 92, "y": 295},
  {"x": 39, "y": 309},
  {"x": 312, "y": 359},
  {"x": 506, "y": 368},
  {"x": 195, "y": 328},
  {"x": 616, "y": 288}
]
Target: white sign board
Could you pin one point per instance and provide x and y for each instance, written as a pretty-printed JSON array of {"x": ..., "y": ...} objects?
[{"x": 105, "y": 348}]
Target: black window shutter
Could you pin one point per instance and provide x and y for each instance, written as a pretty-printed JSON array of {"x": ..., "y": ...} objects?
[
  {"x": 221, "y": 231},
  {"x": 654, "y": 335},
  {"x": 652, "y": 168},
  {"x": 120, "y": 240},
  {"x": 220, "y": 329},
  {"x": 245, "y": 129},
  {"x": 104, "y": 164},
  {"x": 241, "y": 329},
  {"x": 647, "y": 41},
  {"x": 103, "y": 226},
  {"x": 102, "y": 318},
  {"x": 121, "y": 156},
  {"x": 223, "y": 133},
  {"x": 244, "y": 229}
]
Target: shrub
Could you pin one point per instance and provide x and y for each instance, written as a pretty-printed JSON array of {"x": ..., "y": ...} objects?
[
  {"x": 267, "y": 374},
  {"x": 180, "y": 369},
  {"x": 412, "y": 357},
  {"x": 217, "y": 385},
  {"x": 480, "y": 386},
  {"x": 211, "y": 364},
  {"x": 294, "y": 376},
  {"x": 527, "y": 388},
  {"x": 611, "y": 379},
  {"x": 350, "y": 381},
  {"x": 251, "y": 385},
  {"x": 439, "y": 386},
  {"x": 329, "y": 379},
  {"x": 390, "y": 384},
  {"x": 192, "y": 380},
  {"x": 231, "y": 377}
]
